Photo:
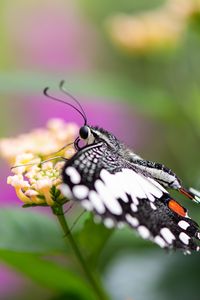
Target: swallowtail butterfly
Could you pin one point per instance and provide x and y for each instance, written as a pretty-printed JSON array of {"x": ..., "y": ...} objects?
[{"x": 120, "y": 187}]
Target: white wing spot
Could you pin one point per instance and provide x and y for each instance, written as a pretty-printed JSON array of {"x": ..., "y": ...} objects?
[
  {"x": 184, "y": 238},
  {"x": 167, "y": 234},
  {"x": 150, "y": 196},
  {"x": 135, "y": 200},
  {"x": 159, "y": 241},
  {"x": 73, "y": 174},
  {"x": 129, "y": 182},
  {"x": 109, "y": 223},
  {"x": 131, "y": 185},
  {"x": 151, "y": 190},
  {"x": 114, "y": 184},
  {"x": 97, "y": 202},
  {"x": 153, "y": 206},
  {"x": 66, "y": 190},
  {"x": 144, "y": 232},
  {"x": 183, "y": 224},
  {"x": 80, "y": 191},
  {"x": 87, "y": 205},
  {"x": 134, "y": 207},
  {"x": 120, "y": 225},
  {"x": 131, "y": 220},
  {"x": 107, "y": 197}
]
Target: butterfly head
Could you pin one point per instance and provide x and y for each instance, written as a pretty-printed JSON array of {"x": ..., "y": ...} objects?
[
  {"x": 90, "y": 134},
  {"x": 94, "y": 134},
  {"x": 86, "y": 134}
]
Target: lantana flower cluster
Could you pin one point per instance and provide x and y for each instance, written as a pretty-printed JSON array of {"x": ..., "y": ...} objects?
[
  {"x": 156, "y": 29},
  {"x": 37, "y": 182}
]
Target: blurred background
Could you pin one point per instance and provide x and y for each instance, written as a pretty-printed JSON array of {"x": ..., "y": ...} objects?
[{"x": 135, "y": 67}]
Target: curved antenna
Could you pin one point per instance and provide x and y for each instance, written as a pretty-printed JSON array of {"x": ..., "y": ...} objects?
[
  {"x": 65, "y": 146},
  {"x": 45, "y": 91},
  {"x": 49, "y": 159},
  {"x": 62, "y": 89},
  {"x": 41, "y": 163},
  {"x": 24, "y": 165}
]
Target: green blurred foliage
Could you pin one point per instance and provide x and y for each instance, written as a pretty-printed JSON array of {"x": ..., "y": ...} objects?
[
  {"x": 92, "y": 239},
  {"x": 98, "y": 11},
  {"x": 19, "y": 232},
  {"x": 48, "y": 274}
]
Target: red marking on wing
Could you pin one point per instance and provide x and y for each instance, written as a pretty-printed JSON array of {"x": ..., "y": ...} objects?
[
  {"x": 186, "y": 193},
  {"x": 177, "y": 208}
]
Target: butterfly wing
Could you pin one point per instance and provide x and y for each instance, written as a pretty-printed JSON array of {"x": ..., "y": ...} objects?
[
  {"x": 165, "y": 176},
  {"x": 117, "y": 192}
]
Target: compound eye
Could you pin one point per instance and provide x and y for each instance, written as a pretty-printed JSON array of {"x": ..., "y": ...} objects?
[{"x": 84, "y": 132}]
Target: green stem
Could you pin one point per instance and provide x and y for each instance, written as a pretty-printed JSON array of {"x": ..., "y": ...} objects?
[{"x": 58, "y": 211}]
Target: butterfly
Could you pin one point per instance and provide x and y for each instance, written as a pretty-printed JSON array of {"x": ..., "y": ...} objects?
[{"x": 107, "y": 178}]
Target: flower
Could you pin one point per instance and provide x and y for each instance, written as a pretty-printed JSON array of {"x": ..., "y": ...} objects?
[
  {"x": 146, "y": 32},
  {"x": 36, "y": 169},
  {"x": 156, "y": 29},
  {"x": 39, "y": 143},
  {"x": 184, "y": 9}
]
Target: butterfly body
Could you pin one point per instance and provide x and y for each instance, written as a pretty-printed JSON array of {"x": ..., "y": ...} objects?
[
  {"x": 108, "y": 178},
  {"x": 120, "y": 187}
]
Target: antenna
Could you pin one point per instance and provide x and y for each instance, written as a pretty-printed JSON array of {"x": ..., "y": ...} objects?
[{"x": 81, "y": 111}]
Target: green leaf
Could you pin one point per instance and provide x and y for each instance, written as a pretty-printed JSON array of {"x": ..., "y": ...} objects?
[
  {"x": 125, "y": 239},
  {"x": 92, "y": 239},
  {"x": 48, "y": 274},
  {"x": 27, "y": 231}
]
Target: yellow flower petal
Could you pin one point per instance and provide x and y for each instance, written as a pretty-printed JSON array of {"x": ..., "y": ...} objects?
[
  {"x": 32, "y": 181},
  {"x": 22, "y": 196}
]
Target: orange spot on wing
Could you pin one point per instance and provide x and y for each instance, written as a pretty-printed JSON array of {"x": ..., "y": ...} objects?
[{"x": 177, "y": 208}]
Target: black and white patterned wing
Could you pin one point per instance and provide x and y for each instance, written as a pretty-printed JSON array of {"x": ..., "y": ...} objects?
[{"x": 116, "y": 191}]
